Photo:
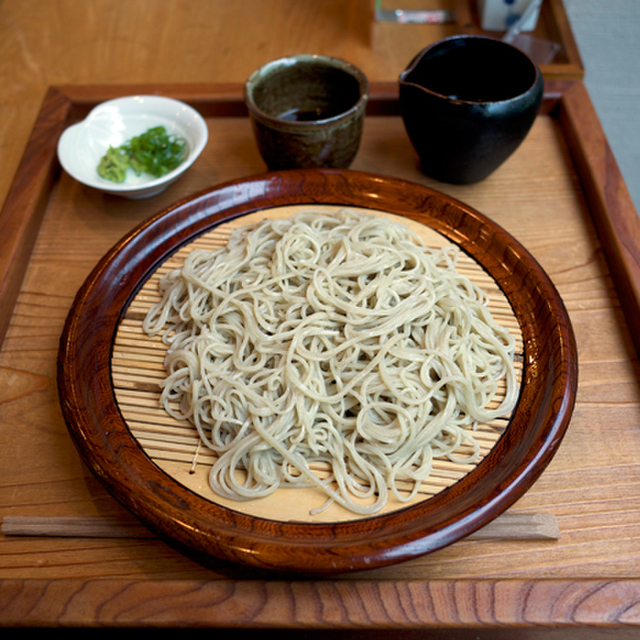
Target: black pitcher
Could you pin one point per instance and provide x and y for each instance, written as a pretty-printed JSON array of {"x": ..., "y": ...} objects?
[{"x": 467, "y": 103}]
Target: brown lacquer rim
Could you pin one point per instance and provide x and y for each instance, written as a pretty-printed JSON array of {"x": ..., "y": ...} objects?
[{"x": 105, "y": 443}]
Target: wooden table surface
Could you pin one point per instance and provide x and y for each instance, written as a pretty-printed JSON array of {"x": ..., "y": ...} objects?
[{"x": 589, "y": 577}]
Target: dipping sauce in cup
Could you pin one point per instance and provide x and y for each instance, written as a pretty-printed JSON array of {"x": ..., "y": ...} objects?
[
  {"x": 467, "y": 103},
  {"x": 307, "y": 111}
]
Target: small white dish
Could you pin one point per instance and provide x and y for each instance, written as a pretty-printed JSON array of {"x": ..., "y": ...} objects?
[{"x": 112, "y": 123}]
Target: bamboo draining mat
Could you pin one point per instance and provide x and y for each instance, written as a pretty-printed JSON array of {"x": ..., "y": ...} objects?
[{"x": 174, "y": 446}]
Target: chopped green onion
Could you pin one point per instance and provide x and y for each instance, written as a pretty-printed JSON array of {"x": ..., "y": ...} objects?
[{"x": 154, "y": 152}]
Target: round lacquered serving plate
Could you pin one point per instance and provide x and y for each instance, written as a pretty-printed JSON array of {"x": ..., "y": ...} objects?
[{"x": 109, "y": 375}]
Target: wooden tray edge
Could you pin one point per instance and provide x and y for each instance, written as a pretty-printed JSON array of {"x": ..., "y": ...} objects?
[
  {"x": 613, "y": 213},
  {"x": 610, "y": 602},
  {"x": 385, "y": 606}
]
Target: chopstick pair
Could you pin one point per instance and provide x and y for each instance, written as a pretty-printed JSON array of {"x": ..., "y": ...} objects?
[{"x": 508, "y": 526}]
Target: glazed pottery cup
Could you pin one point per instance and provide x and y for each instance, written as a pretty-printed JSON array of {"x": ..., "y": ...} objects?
[
  {"x": 467, "y": 103},
  {"x": 307, "y": 111}
]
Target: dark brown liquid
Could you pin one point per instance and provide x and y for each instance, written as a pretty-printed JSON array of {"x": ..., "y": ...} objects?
[
  {"x": 474, "y": 71},
  {"x": 308, "y": 115}
]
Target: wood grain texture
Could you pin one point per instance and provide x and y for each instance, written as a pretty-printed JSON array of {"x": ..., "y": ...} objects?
[
  {"x": 583, "y": 585},
  {"x": 492, "y": 605},
  {"x": 612, "y": 210},
  {"x": 29, "y": 195}
]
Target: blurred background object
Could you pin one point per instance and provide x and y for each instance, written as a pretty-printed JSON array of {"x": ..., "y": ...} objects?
[
  {"x": 498, "y": 15},
  {"x": 607, "y": 35},
  {"x": 602, "y": 43}
]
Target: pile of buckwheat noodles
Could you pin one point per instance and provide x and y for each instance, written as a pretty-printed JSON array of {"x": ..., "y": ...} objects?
[{"x": 337, "y": 341}]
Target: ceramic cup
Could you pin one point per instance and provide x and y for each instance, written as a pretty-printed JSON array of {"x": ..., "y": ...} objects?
[
  {"x": 307, "y": 111},
  {"x": 467, "y": 103}
]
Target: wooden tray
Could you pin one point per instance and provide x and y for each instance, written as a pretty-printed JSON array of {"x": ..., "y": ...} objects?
[{"x": 147, "y": 582}]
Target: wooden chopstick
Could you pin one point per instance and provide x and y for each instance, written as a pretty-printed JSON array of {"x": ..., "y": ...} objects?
[
  {"x": 73, "y": 527},
  {"x": 508, "y": 526},
  {"x": 519, "y": 526}
]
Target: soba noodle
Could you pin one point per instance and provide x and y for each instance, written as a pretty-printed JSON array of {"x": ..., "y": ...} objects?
[{"x": 337, "y": 341}]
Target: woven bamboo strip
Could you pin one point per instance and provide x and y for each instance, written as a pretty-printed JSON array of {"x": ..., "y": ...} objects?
[{"x": 138, "y": 371}]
